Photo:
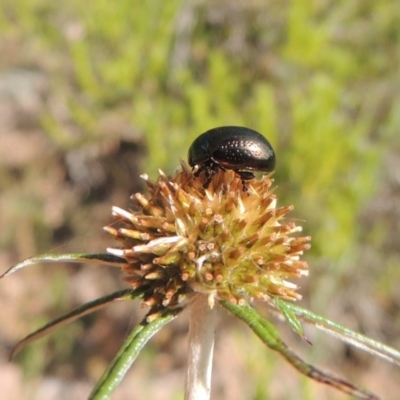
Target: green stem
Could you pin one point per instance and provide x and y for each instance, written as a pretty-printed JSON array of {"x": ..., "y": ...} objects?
[
  {"x": 270, "y": 336},
  {"x": 128, "y": 354}
]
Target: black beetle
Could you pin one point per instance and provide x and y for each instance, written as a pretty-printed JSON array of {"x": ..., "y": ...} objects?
[{"x": 231, "y": 147}]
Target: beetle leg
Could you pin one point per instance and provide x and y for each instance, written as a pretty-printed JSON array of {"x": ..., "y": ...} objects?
[
  {"x": 246, "y": 176},
  {"x": 199, "y": 170},
  {"x": 210, "y": 171}
]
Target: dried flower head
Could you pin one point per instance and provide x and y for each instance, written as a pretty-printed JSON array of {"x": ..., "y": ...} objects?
[{"x": 220, "y": 241}]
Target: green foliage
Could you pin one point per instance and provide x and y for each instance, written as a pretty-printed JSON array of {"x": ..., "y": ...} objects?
[
  {"x": 317, "y": 78},
  {"x": 302, "y": 85}
]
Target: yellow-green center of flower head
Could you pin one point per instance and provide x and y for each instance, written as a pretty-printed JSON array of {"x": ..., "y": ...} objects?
[{"x": 222, "y": 241}]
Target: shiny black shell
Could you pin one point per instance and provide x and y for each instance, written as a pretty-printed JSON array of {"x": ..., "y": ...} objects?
[{"x": 231, "y": 147}]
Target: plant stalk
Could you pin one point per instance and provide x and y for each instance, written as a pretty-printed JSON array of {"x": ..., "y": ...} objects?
[{"x": 201, "y": 347}]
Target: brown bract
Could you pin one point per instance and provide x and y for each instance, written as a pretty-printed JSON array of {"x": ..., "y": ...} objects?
[{"x": 222, "y": 241}]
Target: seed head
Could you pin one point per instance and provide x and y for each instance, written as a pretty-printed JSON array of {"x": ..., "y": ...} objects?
[{"x": 221, "y": 241}]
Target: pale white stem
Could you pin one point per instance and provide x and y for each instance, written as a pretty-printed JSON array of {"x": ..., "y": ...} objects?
[{"x": 201, "y": 346}]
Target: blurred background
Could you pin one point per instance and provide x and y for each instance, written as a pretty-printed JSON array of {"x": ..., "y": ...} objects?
[{"x": 95, "y": 93}]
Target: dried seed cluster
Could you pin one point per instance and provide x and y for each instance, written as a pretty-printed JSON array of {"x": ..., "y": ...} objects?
[{"x": 221, "y": 241}]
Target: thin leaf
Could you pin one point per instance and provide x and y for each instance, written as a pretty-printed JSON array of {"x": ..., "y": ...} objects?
[
  {"x": 105, "y": 258},
  {"x": 270, "y": 336},
  {"x": 127, "y": 294},
  {"x": 128, "y": 353},
  {"x": 347, "y": 335},
  {"x": 290, "y": 317}
]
